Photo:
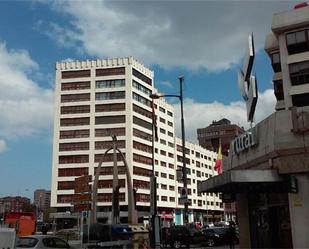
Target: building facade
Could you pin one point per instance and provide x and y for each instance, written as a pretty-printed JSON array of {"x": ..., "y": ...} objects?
[
  {"x": 41, "y": 199},
  {"x": 268, "y": 173},
  {"x": 14, "y": 204},
  {"x": 95, "y": 99},
  {"x": 221, "y": 131}
]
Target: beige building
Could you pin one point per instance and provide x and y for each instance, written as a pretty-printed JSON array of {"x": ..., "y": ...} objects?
[
  {"x": 94, "y": 99},
  {"x": 42, "y": 199},
  {"x": 267, "y": 171}
]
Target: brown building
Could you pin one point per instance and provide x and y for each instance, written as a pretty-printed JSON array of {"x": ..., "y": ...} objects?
[
  {"x": 222, "y": 130},
  {"x": 42, "y": 199},
  {"x": 14, "y": 204}
]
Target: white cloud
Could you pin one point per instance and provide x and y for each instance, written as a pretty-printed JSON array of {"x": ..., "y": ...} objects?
[
  {"x": 192, "y": 34},
  {"x": 25, "y": 107},
  {"x": 3, "y": 146},
  {"x": 166, "y": 83},
  {"x": 200, "y": 115}
]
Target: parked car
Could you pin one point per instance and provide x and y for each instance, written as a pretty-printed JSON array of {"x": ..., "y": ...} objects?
[
  {"x": 41, "y": 241},
  {"x": 177, "y": 236},
  {"x": 218, "y": 236}
]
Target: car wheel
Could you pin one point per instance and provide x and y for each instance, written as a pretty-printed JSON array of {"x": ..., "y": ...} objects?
[
  {"x": 176, "y": 244},
  {"x": 210, "y": 242}
]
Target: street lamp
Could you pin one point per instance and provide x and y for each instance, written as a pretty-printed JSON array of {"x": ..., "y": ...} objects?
[{"x": 184, "y": 168}]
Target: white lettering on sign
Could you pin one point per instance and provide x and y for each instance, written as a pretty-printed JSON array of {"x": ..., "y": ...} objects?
[{"x": 243, "y": 142}]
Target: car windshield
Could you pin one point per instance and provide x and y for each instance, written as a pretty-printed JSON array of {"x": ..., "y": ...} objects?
[{"x": 26, "y": 242}]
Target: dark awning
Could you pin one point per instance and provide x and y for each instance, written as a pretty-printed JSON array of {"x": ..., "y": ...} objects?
[{"x": 236, "y": 181}]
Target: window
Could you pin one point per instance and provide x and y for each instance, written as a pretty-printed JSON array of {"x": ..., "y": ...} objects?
[
  {"x": 161, "y": 109},
  {"x": 141, "y": 171},
  {"x": 278, "y": 89},
  {"x": 162, "y": 141},
  {"x": 142, "y": 147},
  {"x": 75, "y": 97},
  {"x": 172, "y": 177},
  {"x": 74, "y": 134},
  {"x": 107, "y": 170},
  {"x": 141, "y": 134},
  {"x": 75, "y": 85},
  {"x": 170, "y": 144},
  {"x": 64, "y": 198},
  {"x": 275, "y": 62},
  {"x": 142, "y": 159},
  {"x": 73, "y": 159},
  {"x": 75, "y": 74},
  {"x": 163, "y": 152},
  {"x": 171, "y": 155},
  {"x": 163, "y": 186},
  {"x": 107, "y": 158},
  {"x": 74, "y": 121},
  {"x": 172, "y": 199},
  {"x": 170, "y": 113},
  {"x": 141, "y": 76},
  {"x": 163, "y": 175},
  {"x": 171, "y": 187},
  {"x": 110, "y": 119},
  {"x": 109, "y": 183},
  {"x": 72, "y": 172},
  {"x": 171, "y": 166},
  {"x": 110, "y": 95},
  {"x": 163, "y": 164},
  {"x": 142, "y": 123},
  {"x": 170, "y": 123},
  {"x": 110, "y": 107},
  {"x": 74, "y": 146},
  {"x": 162, "y": 120},
  {"x": 139, "y": 184},
  {"x": 297, "y": 42},
  {"x": 75, "y": 109},
  {"x": 162, "y": 131},
  {"x": 102, "y": 145},
  {"x": 142, "y": 197},
  {"x": 110, "y": 71},
  {"x": 170, "y": 134},
  {"x": 300, "y": 100},
  {"x": 110, "y": 83},
  {"x": 65, "y": 185},
  {"x": 108, "y": 131},
  {"x": 299, "y": 73},
  {"x": 163, "y": 198},
  {"x": 141, "y": 88},
  {"x": 141, "y": 99},
  {"x": 142, "y": 111}
]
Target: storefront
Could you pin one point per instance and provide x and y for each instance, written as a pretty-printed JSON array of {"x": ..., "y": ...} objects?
[{"x": 269, "y": 181}]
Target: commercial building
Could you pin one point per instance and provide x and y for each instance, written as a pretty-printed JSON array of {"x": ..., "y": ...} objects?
[
  {"x": 217, "y": 132},
  {"x": 95, "y": 99},
  {"x": 42, "y": 199},
  {"x": 220, "y": 132},
  {"x": 267, "y": 168},
  {"x": 14, "y": 204}
]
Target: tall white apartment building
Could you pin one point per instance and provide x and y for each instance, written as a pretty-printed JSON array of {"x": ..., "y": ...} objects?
[{"x": 94, "y": 99}]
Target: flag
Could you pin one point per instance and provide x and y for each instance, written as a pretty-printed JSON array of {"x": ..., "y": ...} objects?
[
  {"x": 218, "y": 166},
  {"x": 154, "y": 122}
]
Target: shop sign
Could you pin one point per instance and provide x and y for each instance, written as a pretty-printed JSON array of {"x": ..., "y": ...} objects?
[{"x": 243, "y": 142}]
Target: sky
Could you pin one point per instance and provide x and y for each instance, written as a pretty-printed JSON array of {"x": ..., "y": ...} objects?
[{"x": 203, "y": 40}]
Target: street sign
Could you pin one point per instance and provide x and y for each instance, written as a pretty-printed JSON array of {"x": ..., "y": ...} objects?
[
  {"x": 82, "y": 189},
  {"x": 183, "y": 195},
  {"x": 83, "y": 179},
  {"x": 78, "y": 198},
  {"x": 82, "y": 207}
]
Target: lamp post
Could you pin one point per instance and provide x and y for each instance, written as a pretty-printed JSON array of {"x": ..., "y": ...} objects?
[{"x": 184, "y": 168}]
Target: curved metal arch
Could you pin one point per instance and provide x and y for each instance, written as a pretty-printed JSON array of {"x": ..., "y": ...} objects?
[{"x": 132, "y": 216}]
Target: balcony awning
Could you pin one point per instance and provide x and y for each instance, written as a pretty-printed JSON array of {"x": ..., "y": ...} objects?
[{"x": 237, "y": 181}]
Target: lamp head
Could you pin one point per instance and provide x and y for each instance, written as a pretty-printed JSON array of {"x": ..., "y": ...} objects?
[{"x": 156, "y": 95}]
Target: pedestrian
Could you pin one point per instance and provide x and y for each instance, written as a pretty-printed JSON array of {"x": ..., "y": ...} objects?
[{"x": 232, "y": 235}]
